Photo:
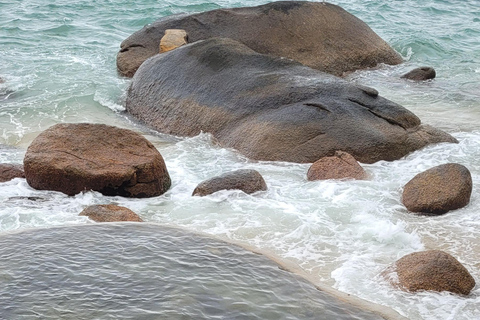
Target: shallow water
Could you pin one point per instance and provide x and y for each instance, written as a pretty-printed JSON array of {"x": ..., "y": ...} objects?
[{"x": 59, "y": 66}]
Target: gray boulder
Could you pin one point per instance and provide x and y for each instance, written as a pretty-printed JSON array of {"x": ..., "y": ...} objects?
[
  {"x": 249, "y": 181},
  {"x": 420, "y": 74},
  {"x": 320, "y": 35},
  {"x": 270, "y": 108}
]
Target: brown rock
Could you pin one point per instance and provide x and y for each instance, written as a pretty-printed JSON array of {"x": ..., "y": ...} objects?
[
  {"x": 341, "y": 166},
  {"x": 110, "y": 213},
  {"x": 439, "y": 189},
  {"x": 173, "y": 39},
  {"x": 10, "y": 171},
  {"x": 249, "y": 181},
  {"x": 72, "y": 158},
  {"x": 319, "y": 35},
  {"x": 432, "y": 270},
  {"x": 420, "y": 74}
]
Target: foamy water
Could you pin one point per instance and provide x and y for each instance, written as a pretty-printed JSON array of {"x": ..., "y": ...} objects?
[{"x": 59, "y": 66}]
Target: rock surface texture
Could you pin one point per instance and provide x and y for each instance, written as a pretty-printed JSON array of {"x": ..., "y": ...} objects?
[
  {"x": 10, "y": 171},
  {"x": 420, "y": 74},
  {"x": 75, "y": 157},
  {"x": 433, "y": 270},
  {"x": 341, "y": 166},
  {"x": 270, "y": 108},
  {"x": 439, "y": 189},
  {"x": 249, "y": 181},
  {"x": 319, "y": 35},
  {"x": 172, "y": 39},
  {"x": 110, "y": 213}
]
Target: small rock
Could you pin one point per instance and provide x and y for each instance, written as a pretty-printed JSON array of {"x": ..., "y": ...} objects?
[
  {"x": 249, "y": 181},
  {"x": 420, "y": 74},
  {"x": 341, "y": 166},
  {"x": 10, "y": 171},
  {"x": 439, "y": 189},
  {"x": 2, "y": 81},
  {"x": 173, "y": 39},
  {"x": 110, "y": 213},
  {"x": 431, "y": 270}
]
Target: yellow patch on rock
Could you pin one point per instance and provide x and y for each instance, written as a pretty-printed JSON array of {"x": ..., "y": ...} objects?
[{"x": 173, "y": 39}]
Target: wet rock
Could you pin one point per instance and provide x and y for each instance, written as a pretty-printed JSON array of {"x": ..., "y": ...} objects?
[
  {"x": 439, "y": 189},
  {"x": 249, "y": 181},
  {"x": 2, "y": 80},
  {"x": 432, "y": 270},
  {"x": 72, "y": 158},
  {"x": 341, "y": 166},
  {"x": 110, "y": 213},
  {"x": 420, "y": 74},
  {"x": 320, "y": 35},
  {"x": 270, "y": 108},
  {"x": 9, "y": 171},
  {"x": 173, "y": 39}
]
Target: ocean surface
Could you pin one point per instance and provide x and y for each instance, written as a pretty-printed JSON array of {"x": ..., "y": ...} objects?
[{"x": 58, "y": 63}]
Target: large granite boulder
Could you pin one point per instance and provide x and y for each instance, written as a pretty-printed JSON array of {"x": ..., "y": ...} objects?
[
  {"x": 319, "y": 35},
  {"x": 340, "y": 166},
  {"x": 9, "y": 171},
  {"x": 110, "y": 213},
  {"x": 249, "y": 181},
  {"x": 439, "y": 189},
  {"x": 431, "y": 270},
  {"x": 75, "y": 157},
  {"x": 270, "y": 108}
]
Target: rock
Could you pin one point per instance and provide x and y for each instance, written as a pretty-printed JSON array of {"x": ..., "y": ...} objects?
[
  {"x": 110, "y": 213},
  {"x": 341, "y": 166},
  {"x": 320, "y": 35},
  {"x": 2, "y": 81},
  {"x": 173, "y": 39},
  {"x": 270, "y": 108},
  {"x": 439, "y": 189},
  {"x": 249, "y": 181},
  {"x": 10, "y": 171},
  {"x": 432, "y": 270},
  {"x": 420, "y": 74},
  {"x": 72, "y": 158}
]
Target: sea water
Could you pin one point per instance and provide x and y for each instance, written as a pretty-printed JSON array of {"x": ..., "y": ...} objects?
[{"x": 58, "y": 63}]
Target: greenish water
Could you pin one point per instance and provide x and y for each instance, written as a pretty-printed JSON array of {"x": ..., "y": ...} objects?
[{"x": 58, "y": 63}]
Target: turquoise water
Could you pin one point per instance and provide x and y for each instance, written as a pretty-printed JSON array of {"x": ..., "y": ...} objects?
[{"x": 58, "y": 63}]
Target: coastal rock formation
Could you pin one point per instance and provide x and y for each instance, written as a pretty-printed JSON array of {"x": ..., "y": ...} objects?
[
  {"x": 439, "y": 189},
  {"x": 72, "y": 158},
  {"x": 420, "y": 74},
  {"x": 249, "y": 181},
  {"x": 9, "y": 171},
  {"x": 341, "y": 166},
  {"x": 432, "y": 270},
  {"x": 270, "y": 108},
  {"x": 110, "y": 213},
  {"x": 172, "y": 39},
  {"x": 319, "y": 35}
]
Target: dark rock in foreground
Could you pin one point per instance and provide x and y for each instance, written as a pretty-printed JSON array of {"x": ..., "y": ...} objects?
[
  {"x": 319, "y": 35},
  {"x": 432, "y": 270},
  {"x": 420, "y": 74},
  {"x": 72, "y": 158},
  {"x": 10, "y": 171},
  {"x": 439, "y": 189},
  {"x": 249, "y": 181},
  {"x": 110, "y": 213},
  {"x": 270, "y": 108},
  {"x": 340, "y": 166}
]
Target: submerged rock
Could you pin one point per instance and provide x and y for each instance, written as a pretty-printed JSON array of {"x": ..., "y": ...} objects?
[
  {"x": 439, "y": 189},
  {"x": 320, "y": 35},
  {"x": 110, "y": 213},
  {"x": 9, "y": 171},
  {"x": 341, "y": 166},
  {"x": 249, "y": 181},
  {"x": 432, "y": 270},
  {"x": 270, "y": 108},
  {"x": 72, "y": 158},
  {"x": 420, "y": 74}
]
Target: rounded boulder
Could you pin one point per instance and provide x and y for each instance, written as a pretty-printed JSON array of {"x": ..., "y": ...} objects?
[
  {"x": 420, "y": 74},
  {"x": 72, "y": 158},
  {"x": 438, "y": 190},
  {"x": 110, "y": 213},
  {"x": 249, "y": 181},
  {"x": 341, "y": 166},
  {"x": 10, "y": 171}
]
